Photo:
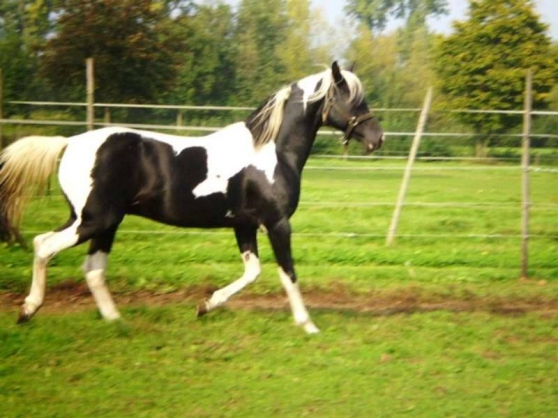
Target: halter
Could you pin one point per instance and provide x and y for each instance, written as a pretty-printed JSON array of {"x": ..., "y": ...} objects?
[{"x": 352, "y": 121}]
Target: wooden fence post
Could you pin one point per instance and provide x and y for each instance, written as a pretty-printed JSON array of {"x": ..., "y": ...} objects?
[
  {"x": 525, "y": 183},
  {"x": 407, "y": 175},
  {"x": 90, "y": 93}
]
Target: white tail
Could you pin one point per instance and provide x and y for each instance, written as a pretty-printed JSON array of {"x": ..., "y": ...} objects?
[{"x": 25, "y": 167}]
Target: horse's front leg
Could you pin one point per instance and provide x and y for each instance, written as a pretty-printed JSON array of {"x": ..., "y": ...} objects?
[
  {"x": 280, "y": 238},
  {"x": 248, "y": 246}
]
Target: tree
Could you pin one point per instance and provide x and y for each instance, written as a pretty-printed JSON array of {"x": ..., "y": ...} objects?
[
  {"x": 376, "y": 13},
  {"x": 398, "y": 65},
  {"x": 299, "y": 53},
  {"x": 24, "y": 24},
  {"x": 482, "y": 65},
  {"x": 261, "y": 29},
  {"x": 418, "y": 72},
  {"x": 128, "y": 40},
  {"x": 377, "y": 66},
  {"x": 204, "y": 55}
]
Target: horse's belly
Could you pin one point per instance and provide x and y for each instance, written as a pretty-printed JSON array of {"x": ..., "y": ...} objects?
[{"x": 180, "y": 210}]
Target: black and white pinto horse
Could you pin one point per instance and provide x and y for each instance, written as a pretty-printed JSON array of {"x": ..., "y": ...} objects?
[{"x": 245, "y": 176}]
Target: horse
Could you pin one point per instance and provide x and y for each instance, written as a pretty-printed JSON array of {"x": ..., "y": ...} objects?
[{"x": 245, "y": 176}]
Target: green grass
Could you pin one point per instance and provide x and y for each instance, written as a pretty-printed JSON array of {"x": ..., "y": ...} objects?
[
  {"x": 434, "y": 247},
  {"x": 160, "y": 361}
]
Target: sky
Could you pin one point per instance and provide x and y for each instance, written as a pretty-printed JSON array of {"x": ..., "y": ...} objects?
[{"x": 547, "y": 9}]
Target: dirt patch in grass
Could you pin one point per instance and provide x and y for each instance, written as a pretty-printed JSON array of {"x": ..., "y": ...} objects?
[{"x": 71, "y": 296}]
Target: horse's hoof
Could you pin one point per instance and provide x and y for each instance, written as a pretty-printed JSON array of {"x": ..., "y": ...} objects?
[
  {"x": 202, "y": 308},
  {"x": 112, "y": 317},
  {"x": 310, "y": 328},
  {"x": 23, "y": 317}
]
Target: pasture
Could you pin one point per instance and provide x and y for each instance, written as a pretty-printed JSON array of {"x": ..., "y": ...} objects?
[{"x": 436, "y": 325}]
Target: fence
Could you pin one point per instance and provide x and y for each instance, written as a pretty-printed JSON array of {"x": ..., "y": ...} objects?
[{"x": 424, "y": 112}]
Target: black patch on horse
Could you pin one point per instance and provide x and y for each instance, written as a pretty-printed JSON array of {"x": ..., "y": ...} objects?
[
  {"x": 251, "y": 198},
  {"x": 138, "y": 175}
]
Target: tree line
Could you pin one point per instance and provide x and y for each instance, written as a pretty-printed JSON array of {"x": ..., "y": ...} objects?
[{"x": 207, "y": 52}]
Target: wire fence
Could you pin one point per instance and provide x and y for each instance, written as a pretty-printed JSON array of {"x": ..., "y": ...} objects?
[
  {"x": 319, "y": 234},
  {"x": 486, "y": 163},
  {"x": 341, "y": 205},
  {"x": 177, "y": 127}
]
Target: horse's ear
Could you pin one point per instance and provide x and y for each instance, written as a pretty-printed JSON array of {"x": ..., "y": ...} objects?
[
  {"x": 352, "y": 67},
  {"x": 336, "y": 71}
]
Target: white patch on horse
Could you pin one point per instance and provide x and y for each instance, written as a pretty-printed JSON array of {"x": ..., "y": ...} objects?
[
  {"x": 252, "y": 270},
  {"x": 300, "y": 313},
  {"x": 228, "y": 152},
  {"x": 46, "y": 247},
  {"x": 308, "y": 86},
  {"x": 77, "y": 164},
  {"x": 227, "y": 156},
  {"x": 95, "y": 266},
  {"x": 312, "y": 92}
]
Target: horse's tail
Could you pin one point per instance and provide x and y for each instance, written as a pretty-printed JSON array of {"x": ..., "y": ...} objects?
[{"x": 25, "y": 167}]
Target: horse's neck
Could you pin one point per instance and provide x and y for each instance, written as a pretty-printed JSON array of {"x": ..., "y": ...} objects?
[{"x": 298, "y": 133}]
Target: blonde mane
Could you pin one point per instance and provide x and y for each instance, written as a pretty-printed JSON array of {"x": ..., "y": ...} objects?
[
  {"x": 271, "y": 114},
  {"x": 356, "y": 91}
]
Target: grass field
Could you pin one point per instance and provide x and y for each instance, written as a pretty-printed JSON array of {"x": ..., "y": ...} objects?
[
  {"x": 493, "y": 355},
  {"x": 161, "y": 362}
]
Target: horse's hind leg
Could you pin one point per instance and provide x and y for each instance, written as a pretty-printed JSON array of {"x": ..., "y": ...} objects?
[
  {"x": 94, "y": 267},
  {"x": 248, "y": 246},
  {"x": 46, "y": 246}
]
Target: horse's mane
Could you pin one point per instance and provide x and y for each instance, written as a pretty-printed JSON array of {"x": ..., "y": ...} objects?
[
  {"x": 356, "y": 91},
  {"x": 267, "y": 119}
]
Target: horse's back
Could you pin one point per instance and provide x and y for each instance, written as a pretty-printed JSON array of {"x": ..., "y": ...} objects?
[
  {"x": 199, "y": 182},
  {"x": 107, "y": 174}
]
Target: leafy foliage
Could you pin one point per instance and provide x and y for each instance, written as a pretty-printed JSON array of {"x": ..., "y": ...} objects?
[
  {"x": 128, "y": 39},
  {"x": 24, "y": 25},
  {"x": 483, "y": 64},
  {"x": 210, "y": 52},
  {"x": 297, "y": 53},
  {"x": 376, "y": 13},
  {"x": 261, "y": 29},
  {"x": 202, "y": 44}
]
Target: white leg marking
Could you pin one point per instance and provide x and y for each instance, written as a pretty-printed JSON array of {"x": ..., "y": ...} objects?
[
  {"x": 300, "y": 313},
  {"x": 38, "y": 286},
  {"x": 46, "y": 246},
  {"x": 252, "y": 270},
  {"x": 95, "y": 266}
]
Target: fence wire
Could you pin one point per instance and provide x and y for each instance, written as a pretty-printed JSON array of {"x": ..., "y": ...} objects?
[
  {"x": 322, "y": 234},
  {"x": 333, "y": 204}
]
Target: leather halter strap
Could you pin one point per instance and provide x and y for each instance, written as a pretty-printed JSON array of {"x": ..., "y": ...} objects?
[{"x": 352, "y": 121}]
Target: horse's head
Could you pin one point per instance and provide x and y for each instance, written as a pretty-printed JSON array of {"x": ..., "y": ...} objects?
[{"x": 345, "y": 109}]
